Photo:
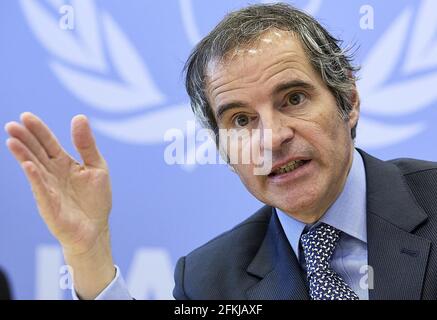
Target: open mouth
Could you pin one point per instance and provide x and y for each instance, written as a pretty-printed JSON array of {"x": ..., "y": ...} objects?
[{"x": 289, "y": 167}]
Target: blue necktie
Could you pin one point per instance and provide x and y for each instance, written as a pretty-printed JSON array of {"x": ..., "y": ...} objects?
[{"x": 325, "y": 284}]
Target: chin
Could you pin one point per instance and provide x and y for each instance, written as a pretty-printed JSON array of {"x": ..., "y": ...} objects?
[{"x": 300, "y": 202}]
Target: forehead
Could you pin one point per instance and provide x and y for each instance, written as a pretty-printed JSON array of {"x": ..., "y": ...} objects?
[{"x": 275, "y": 56}]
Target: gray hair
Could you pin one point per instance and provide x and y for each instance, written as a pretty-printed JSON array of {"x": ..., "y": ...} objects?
[{"x": 245, "y": 27}]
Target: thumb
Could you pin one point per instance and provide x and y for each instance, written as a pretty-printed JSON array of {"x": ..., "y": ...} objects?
[{"x": 84, "y": 142}]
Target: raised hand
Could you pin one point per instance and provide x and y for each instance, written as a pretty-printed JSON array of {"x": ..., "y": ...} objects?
[{"x": 73, "y": 199}]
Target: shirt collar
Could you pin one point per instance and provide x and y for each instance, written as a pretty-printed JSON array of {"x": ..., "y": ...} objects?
[{"x": 347, "y": 213}]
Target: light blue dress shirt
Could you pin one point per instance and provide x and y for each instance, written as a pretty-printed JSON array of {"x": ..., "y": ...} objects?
[
  {"x": 347, "y": 214},
  {"x": 116, "y": 290}
]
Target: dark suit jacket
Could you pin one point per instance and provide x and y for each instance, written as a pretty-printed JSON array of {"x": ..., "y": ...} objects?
[{"x": 255, "y": 261}]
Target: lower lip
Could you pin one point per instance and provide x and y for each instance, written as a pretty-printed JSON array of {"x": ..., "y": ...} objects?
[{"x": 292, "y": 175}]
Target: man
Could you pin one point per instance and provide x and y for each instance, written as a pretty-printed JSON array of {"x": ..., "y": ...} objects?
[{"x": 338, "y": 223}]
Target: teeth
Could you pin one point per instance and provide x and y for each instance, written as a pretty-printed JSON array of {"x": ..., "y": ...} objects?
[{"x": 289, "y": 167}]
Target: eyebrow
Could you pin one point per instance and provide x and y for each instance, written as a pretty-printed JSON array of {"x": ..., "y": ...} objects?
[
  {"x": 228, "y": 106},
  {"x": 222, "y": 109},
  {"x": 292, "y": 84}
]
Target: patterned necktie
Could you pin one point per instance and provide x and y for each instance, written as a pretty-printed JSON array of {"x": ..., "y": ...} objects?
[{"x": 325, "y": 284}]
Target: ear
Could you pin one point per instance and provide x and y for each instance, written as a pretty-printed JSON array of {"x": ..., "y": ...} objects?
[{"x": 354, "y": 114}]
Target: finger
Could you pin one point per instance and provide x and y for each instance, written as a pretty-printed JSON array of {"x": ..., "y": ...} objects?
[
  {"x": 39, "y": 188},
  {"x": 43, "y": 134},
  {"x": 85, "y": 143},
  {"x": 20, "y": 132},
  {"x": 22, "y": 153}
]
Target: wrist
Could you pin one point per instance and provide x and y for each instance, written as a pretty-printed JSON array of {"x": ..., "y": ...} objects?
[{"x": 93, "y": 270}]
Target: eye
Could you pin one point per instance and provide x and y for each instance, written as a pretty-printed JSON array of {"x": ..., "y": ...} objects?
[
  {"x": 296, "y": 98},
  {"x": 241, "y": 120}
]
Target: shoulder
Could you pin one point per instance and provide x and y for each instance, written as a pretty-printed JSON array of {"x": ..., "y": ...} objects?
[
  {"x": 410, "y": 166},
  {"x": 421, "y": 178},
  {"x": 217, "y": 269},
  {"x": 246, "y": 234}
]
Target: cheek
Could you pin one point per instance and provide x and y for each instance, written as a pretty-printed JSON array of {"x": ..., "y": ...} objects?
[
  {"x": 254, "y": 183},
  {"x": 325, "y": 131},
  {"x": 247, "y": 151},
  {"x": 237, "y": 145}
]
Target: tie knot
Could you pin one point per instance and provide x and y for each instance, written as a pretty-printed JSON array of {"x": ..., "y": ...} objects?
[{"x": 318, "y": 246}]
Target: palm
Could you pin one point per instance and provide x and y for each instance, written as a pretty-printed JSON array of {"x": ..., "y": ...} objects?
[
  {"x": 81, "y": 202},
  {"x": 73, "y": 199}
]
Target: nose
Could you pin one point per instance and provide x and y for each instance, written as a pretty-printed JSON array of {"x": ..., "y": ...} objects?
[{"x": 282, "y": 132}]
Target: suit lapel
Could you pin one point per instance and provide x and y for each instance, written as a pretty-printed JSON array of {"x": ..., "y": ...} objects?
[
  {"x": 275, "y": 263},
  {"x": 398, "y": 257}
]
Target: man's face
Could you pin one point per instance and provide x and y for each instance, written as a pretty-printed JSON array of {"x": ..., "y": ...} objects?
[{"x": 272, "y": 85}]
